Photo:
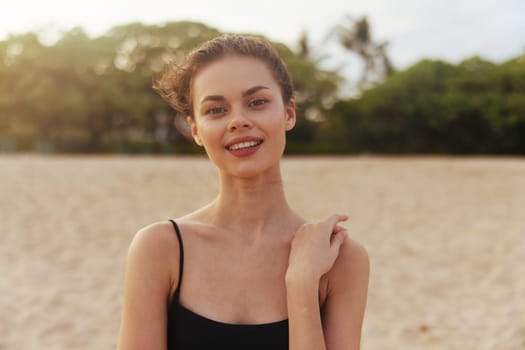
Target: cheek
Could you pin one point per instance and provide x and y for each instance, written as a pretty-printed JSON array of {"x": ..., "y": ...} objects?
[
  {"x": 206, "y": 128},
  {"x": 279, "y": 122},
  {"x": 210, "y": 134},
  {"x": 278, "y": 133}
]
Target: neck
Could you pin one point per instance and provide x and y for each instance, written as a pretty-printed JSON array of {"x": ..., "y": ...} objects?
[{"x": 252, "y": 206}]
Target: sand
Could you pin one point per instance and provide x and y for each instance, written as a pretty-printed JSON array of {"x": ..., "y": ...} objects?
[{"x": 446, "y": 239}]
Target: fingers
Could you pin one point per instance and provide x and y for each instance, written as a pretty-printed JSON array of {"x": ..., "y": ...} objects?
[
  {"x": 338, "y": 228},
  {"x": 338, "y": 233},
  {"x": 338, "y": 239},
  {"x": 333, "y": 219}
]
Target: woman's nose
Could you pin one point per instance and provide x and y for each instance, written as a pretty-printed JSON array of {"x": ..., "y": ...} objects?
[{"x": 239, "y": 121}]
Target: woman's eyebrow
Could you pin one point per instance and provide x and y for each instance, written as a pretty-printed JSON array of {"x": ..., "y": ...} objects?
[
  {"x": 212, "y": 98},
  {"x": 253, "y": 90},
  {"x": 248, "y": 92}
]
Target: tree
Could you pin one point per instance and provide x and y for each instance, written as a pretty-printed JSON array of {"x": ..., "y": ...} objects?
[
  {"x": 95, "y": 94},
  {"x": 355, "y": 36},
  {"x": 475, "y": 107}
]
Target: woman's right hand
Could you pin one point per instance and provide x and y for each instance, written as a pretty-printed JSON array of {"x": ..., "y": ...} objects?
[{"x": 315, "y": 248}]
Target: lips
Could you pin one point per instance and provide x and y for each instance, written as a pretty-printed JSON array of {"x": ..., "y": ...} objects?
[
  {"x": 243, "y": 143},
  {"x": 244, "y": 147}
]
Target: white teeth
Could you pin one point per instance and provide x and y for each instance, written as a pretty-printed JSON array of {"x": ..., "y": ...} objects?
[{"x": 242, "y": 145}]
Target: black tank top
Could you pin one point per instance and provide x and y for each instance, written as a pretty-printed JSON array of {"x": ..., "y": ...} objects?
[{"x": 188, "y": 330}]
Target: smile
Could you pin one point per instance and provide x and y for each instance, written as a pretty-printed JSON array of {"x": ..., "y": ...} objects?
[{"x": 243, "y": 145}]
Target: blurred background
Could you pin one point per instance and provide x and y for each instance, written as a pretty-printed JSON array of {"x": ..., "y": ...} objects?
[
  {"x": 84, "y": 139},
  {"x": 372, "y": 77}
]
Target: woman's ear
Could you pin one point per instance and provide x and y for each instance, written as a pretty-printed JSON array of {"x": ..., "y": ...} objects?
[
  {"x": 290, "y": 115},
  {"x": 194, "y": 130}
]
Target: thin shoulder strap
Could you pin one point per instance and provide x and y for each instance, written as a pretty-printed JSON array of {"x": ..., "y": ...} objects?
[{"x": 181, "y": 256}]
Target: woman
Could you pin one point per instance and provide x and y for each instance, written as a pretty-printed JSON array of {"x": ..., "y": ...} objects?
[{"x": 245, "y": 271}]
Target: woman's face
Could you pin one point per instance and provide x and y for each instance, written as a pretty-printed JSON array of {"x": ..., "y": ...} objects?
[{"x": 239, "y": 115}]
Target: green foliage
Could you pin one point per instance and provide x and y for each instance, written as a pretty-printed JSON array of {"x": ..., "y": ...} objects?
[
  {"x": 85, "y": 94},
  {"x": 435, "y": 107},
  {"x": 355, "y": 35},
  {"x": 315, "y": 94}
]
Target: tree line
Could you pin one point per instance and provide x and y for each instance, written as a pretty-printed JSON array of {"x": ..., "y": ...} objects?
[
  {"x": 474, "y": 107},
  {"x": 83, "y": 94}
]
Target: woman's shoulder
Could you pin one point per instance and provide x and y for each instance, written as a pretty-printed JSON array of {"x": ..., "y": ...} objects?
[
  {"x": 153, "y": 257},
  {"x": 155, "y": 244},
  {"x": 161, "y": 236},
  {"x": 353, "y": 250},
  {"x": 353, "y": 261},
  {"x": 154, "y": 234}
]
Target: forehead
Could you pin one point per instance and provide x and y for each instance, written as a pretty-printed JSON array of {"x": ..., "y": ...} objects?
[{"x": 232, "y": 74}]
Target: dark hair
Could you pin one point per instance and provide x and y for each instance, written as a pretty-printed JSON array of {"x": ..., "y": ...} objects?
[{"x": 175, "y": 86}]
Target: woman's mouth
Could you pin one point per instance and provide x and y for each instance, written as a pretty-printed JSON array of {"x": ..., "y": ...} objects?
[
  {"x": 244, "y": 145},
  {"x": 244, "y": 148}
]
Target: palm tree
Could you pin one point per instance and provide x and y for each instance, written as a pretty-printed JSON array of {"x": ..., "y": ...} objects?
[{"x": 355, "y": 36}]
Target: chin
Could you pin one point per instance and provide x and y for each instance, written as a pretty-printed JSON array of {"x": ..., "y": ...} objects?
[{"x": 252, "y": 170}]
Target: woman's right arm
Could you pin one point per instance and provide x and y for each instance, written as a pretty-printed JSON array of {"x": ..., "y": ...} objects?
[{"x": 147, "y": 289}]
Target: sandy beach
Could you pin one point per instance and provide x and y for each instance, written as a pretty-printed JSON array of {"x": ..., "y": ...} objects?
[{"x": 446, "y": 239}]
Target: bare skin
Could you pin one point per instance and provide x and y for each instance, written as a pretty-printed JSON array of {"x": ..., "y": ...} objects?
[{"x": 278, "y": 265}]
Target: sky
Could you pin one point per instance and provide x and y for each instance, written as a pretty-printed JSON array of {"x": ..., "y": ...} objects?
[{"x": 415, "y": 29}]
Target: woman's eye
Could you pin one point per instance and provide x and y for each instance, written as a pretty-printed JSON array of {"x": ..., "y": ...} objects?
[
  {"x": 216, "y": 110},
  {"x": 258, "y": 102}
]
